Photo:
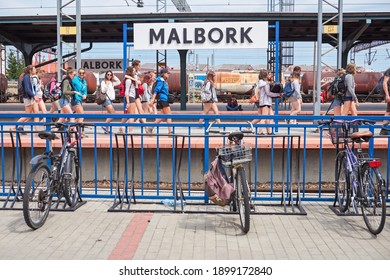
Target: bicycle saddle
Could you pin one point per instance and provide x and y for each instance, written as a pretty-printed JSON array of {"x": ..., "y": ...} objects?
[
  {"x": 236, "y": 136},
  {"x": 47, "y": 135},
  {"x": 359, "y": 137}
]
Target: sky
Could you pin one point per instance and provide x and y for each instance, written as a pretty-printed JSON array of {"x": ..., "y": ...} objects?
[{"x": 304, "y": 52}]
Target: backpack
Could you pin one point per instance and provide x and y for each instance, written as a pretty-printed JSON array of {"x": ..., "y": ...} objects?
[
  {"x": 379, "y": 85},
  {"x": 216, "y": 184},
  {"x": 140, "y": 89},
  {"x": 70, "y": 83},
  {"x": 54, "y": 94},
  {"x": 100, "y": 97},
  {"x": 122, "y": 88},
  {"x": 21, "y": 91},
  {"x": 338, "y": 88},
  {"x": 206, "y": 96},
  {"x": 288, "y": 89},
  {"x": 276, "y": 87}
]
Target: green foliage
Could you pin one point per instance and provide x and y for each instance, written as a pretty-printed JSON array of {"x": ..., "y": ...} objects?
[{"x": 15, "y": 66}]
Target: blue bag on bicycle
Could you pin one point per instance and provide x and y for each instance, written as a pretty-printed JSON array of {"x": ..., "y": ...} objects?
[{"x": 216, "y": 184}]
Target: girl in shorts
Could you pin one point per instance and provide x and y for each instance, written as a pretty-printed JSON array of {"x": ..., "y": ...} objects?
[{"x": 107, "y": 86}]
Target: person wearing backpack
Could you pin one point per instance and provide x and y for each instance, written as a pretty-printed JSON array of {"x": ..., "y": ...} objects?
[
  {"x": 209, "y": 96},
  {"x": 37, "y": 84},
  {"x": 54, "y": 91},
  {"x": 160, "y": 93},
  {"x": 338, "y": 99},
  {"x": 296, "y": 98},
  {"x": 264, "y": 99},
  {"x": 67, "y": 93},
  {"x": 132, "y": 99},
  {"x": 350, "y": 98},
  {"x": 385, "y": 89},
  {"x": 29, "y": 98}
]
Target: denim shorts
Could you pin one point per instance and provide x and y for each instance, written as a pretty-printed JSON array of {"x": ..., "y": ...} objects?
[
  {"x": 63, "y": 102},
  {"x": 347, "y": 98},
  {"x": 107, "y": 102},
  {"x": 28, "y": 101},
  {"x": 75, "y": 102},
  {"x": 337, "y": 102}
]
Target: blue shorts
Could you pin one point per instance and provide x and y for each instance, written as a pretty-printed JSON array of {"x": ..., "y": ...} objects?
[
  {"x": 347, "y": 98},
  {"x": 337, "y": 102},
  {"x": 107, "y": 102},
  {"x": 75, "y": 102},
  {"x": 63, "y": 102}
]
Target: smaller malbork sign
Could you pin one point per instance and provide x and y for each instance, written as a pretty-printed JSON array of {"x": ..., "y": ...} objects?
[
  {"x": 98, "y": 64},
  {"x": 201, "y": 35}
]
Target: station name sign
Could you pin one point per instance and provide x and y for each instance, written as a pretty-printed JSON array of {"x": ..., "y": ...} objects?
[
  {"x": 201, "y": 35},
  {"x": 98, "y": 64}
]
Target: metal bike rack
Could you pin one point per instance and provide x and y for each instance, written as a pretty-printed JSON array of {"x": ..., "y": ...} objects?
[{"x": 126, "y": 199}]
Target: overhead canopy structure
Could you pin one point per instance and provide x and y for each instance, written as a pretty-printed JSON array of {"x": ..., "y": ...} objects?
[
  {"x": 31, "y": 34},
  {"x": 108, "y": 28}
]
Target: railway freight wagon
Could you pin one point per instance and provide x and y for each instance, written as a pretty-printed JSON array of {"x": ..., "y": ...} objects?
[
  {"x": 239, "y": 84},
  {"x": 365, "y": 85}
]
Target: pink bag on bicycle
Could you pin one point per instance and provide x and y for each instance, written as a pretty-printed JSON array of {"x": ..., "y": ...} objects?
[{"x": 216, "y": 185}]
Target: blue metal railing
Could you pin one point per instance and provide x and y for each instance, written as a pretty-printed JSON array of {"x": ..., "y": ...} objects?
[{"x": 156, "y": 158}]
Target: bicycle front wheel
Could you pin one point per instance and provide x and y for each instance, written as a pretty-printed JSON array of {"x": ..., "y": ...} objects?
[
  {"x": 342, "y": 183},
  {"x": 37, "y": 196},
  {"x": 242, "y": 198},
  {"x": 373, "y": 199},
  {"x": 71, "y": 180}
]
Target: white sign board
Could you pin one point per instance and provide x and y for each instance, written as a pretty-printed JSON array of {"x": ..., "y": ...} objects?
[
  {"x": 99, "y": 64},
  {"x": 201, "y": 35}
]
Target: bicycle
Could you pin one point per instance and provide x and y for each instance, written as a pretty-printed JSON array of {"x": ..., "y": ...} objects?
[
  {"x": 53, "y": 174},
  {"x": 234, "y": 156},
  {"x": 359, "y": 182}
]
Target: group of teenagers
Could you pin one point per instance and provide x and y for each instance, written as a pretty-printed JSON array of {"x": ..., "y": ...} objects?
[
  {"x": 154, "y": 95},
  {"x": 262, "y": 97},
  {"x": 73, "y": 89},
  {"x": 156, "y": 90}
]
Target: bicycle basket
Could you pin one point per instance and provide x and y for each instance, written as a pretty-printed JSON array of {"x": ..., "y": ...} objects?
[
  {"x": 338, "y": 132},
  {"x": 235, "y": 154}
]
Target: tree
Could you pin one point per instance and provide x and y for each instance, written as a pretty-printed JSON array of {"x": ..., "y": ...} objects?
[{"x": 15, "y": 66}]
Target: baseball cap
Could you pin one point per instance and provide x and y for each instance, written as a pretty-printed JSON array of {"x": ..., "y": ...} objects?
[{"x": 164, "y": 70}]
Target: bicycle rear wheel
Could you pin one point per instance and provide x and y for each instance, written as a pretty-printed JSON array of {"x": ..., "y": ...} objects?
[
  {"x": 373, "y": 203},
  {"x": 71, "y": 180},
  {"x": 242, "y": 196},
  {"x": 342, "y": 183},
  {"x": 37, "y": 196}
]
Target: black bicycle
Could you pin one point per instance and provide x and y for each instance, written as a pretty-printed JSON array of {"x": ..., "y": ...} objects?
[
  {"x": 53, "y": 174},
  {"x": 359, "y": 182},
  {"x": 234, "y": 156}
]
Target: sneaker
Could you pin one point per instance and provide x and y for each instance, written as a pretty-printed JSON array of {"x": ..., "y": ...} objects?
[
  {"x": 149, "y": 130},
  {"x": 170, "y": 134},
  {"x": 383, "y": 132},
  {"x": 106, "y": 129},
  {"x": 84, "y": 135},
  {"x": 21, "y": 130}
]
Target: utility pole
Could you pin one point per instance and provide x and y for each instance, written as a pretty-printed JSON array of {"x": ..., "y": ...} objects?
[{"x": 71, "y": 30}]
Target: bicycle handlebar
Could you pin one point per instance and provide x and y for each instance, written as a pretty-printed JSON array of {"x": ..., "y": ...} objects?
[
  {"x": 359, "y": 121},
  {"x": 69, "y": 125}
]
